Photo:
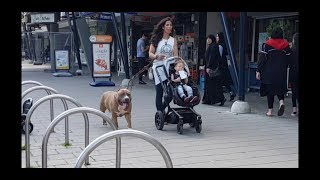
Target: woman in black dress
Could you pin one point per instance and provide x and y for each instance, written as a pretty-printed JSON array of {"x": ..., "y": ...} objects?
[{"x": 213, "y": 92}]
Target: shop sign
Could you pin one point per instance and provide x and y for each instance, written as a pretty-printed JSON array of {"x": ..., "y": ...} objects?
[
  {"x": 100, "y": 38},
  {"x": 105, "y": 17},
  {"x": 42, "y": 18},
  {"x": 62, "y": 59},
  {"x": 101, "y": 60}
]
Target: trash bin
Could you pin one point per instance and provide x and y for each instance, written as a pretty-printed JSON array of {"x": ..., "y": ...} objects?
[{"x": 254, "y": 84}]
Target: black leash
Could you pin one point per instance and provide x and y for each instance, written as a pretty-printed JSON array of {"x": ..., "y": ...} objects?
[
  {"x": 138, "y": 73},
  {"x": 143, "y": 69}
]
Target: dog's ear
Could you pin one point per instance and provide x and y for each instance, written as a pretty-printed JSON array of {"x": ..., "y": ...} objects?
[{"x": 129, "y": 94}]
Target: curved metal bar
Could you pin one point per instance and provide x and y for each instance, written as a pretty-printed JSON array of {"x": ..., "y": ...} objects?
[
  {"x": 64, "y": 114},
  {"x": 48, "y": 92},
  {"x": 119, "y": 133},
  {"x": 65, "y": 105},
  {"x": 47, "y": 89},
  {"x": 36, "y": 88},
  {"x": 31, "y": 82},
  {"x": 32, "y": 109}
]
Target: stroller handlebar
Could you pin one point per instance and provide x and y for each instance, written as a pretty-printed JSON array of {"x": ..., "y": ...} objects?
[{"x": 168, "y": 61}]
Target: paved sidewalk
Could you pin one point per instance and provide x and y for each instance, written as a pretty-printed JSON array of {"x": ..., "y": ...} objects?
[{"x": 226, "y": 139}]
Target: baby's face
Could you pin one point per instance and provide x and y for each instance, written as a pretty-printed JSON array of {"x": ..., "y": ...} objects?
[{"x": 179, "y": 67}]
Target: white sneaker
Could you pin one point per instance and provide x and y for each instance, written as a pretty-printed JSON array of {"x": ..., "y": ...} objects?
[{"x": 294, "y": 114}]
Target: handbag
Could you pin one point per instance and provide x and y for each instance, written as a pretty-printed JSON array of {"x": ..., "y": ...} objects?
[
  {"x": 150, "y": 73},
  {"x": 215, "y": 72}
]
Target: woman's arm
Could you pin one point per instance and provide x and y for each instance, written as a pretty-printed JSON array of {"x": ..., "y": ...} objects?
[
  {"x": 152, "y": 54},
  {"x": 152, "y": 50},
  {"x": 262, "y": 58},
  {"x": 210, "y": 59},
  {"x": 262, "y": 61}
]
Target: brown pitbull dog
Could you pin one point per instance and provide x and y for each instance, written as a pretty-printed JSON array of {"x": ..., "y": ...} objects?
[{"x": 118, "y": 103}]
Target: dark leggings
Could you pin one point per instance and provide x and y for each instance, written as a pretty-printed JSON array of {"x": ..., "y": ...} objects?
[
  {"x": 294, "y": 89},
  {"x": 141, "y": 64},
  {"x": 271, "y": 100},
  {"x": 159, "y": 93}
]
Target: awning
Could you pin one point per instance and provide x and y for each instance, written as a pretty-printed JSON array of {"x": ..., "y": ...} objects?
[{"x": 264, "y": 15}]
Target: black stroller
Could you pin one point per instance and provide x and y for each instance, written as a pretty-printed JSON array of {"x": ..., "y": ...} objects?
[
  {"x": 177, "y": 115},
  {"x": 25, "y": 109}
]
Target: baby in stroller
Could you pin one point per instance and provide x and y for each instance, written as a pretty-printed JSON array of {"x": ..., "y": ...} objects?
[
  {"x": 179, "y": 80},
  {"x": 185, "y": 113}
]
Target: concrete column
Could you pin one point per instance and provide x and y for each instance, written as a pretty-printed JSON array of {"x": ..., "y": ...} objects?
[
  {"x": 202, "y": 38},
  {"x": 54, "y": 27}
]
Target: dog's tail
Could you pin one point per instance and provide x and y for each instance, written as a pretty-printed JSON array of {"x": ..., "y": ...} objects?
[{"x": 102, "y": 105}]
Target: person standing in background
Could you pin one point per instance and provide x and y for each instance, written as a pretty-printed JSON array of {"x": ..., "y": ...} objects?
[
  {"x": 184, "y": 51},
  {"x": 226, "y": 76},
  {"x": 141, "y": 55},
  {"x": 213, "y": 92},
  {"x": 294, "y": 73},
  {"x": 272, "y": 69}
]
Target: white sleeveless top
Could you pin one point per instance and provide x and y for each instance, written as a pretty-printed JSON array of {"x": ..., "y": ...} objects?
[{"x": 165, "y": 46}]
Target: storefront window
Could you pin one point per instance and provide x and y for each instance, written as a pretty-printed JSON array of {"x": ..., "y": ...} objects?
[{"x": 264, "y": 28}]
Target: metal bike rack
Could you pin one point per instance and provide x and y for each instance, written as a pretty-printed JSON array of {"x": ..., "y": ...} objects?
[
  {"x": 83, "y": 110},
  {"x": 40, "y": 101},
  {"x": 31, "y": 82},
  {"x": 119, "y": 133},
  {"x": 48, "y": 90}
]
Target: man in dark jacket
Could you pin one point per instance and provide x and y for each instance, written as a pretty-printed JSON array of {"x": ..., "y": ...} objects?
[
  {"x": 272, "y": 69},
  {"x": 294, "y": 73}
]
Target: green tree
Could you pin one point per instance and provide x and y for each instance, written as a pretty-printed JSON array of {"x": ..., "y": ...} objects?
[{"x": 284, "y": 24}]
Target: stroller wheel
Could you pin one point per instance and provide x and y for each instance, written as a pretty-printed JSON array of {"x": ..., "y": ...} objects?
[
  {"x": 180, "y": 128},
  {"x": 193, "y": 121},
  {"x": 23, "y": 128},
  {"x": 159, "y": 120},
  {"x": 198, "y": 128}
]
